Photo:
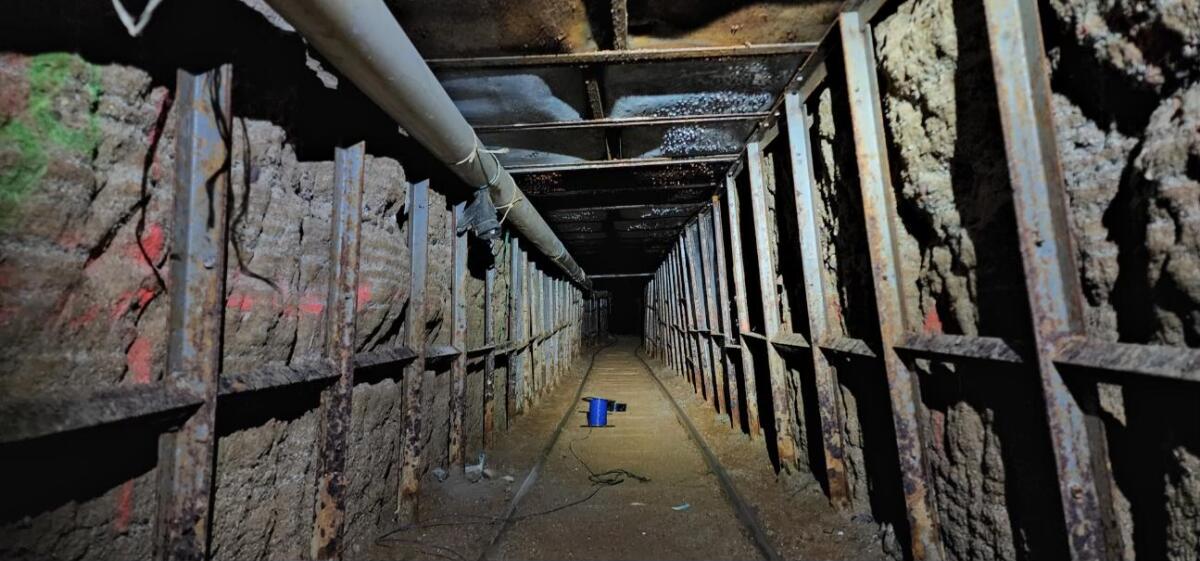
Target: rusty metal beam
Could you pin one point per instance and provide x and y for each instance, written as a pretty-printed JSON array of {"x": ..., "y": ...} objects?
[
  {"x": 456, "y": 449},
  {"x": 742, "y": 325},
  {"x": 879, "y": 212},
  {"x": 600, "y": 122},
  {"x": 624, "y": 57},
  {"x": 1051, "y": 276},
  {"x": 818, "y": 298},
  {"x": 704, "y": 231},
  {"x": 623, "y": 164},
  {"x": 414, "y": 337},
  {"x": 489, "y": 364},
  {"x": 785, "y": 438},
  {"x": 724, "y": 309},
  {"x": 186, "y": 454},
  {"x": 342, "y": 301}
]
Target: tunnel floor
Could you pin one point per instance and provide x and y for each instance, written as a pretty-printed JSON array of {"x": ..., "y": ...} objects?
[{"x": 678, "y": 512}]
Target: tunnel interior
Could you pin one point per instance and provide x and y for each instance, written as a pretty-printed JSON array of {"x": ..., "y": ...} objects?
[{"x": 596, "y": 279}]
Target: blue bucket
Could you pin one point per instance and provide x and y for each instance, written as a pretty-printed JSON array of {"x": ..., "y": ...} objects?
[{"x": 597, "y": 412}]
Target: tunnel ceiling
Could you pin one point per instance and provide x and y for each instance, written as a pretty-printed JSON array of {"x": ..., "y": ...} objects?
[{"x": 617, "y": 133}]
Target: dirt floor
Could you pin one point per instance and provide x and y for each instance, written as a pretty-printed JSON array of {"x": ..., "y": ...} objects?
[{"x": 679, "y": 513}]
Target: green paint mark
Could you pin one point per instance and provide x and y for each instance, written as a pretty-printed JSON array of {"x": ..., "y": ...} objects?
[{"x": 28, "y": 140}]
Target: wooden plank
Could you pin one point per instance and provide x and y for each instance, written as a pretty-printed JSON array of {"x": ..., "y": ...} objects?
[
  {"x": 516, "y": 329},
  {"x": 716, "y": 353},
  {"x": 489, "y": 362},
  {"x": 724, "y": 310},
  {"x": 346, "y": 226}
]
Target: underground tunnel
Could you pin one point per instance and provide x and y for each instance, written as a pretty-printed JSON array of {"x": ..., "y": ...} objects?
[{"x": 600, "y": 279}]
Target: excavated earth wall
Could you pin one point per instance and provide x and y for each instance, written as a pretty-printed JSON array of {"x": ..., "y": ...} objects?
[{"x": 86, "y": 178}]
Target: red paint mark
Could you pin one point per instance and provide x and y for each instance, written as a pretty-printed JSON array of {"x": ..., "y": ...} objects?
[
  {"x": 139, "y": 359},
  {"x": 153, "y": 240},
  {"x": 240, "y": 302},
  {"x": 362, "y": 295},
  {"x": 933, "y": 323},
  {"x": 84, "y": 319},
  {"x": 311, "y": 304},
  {"x": 125, "y": 301},
  {"x": 124, "y": 507}
]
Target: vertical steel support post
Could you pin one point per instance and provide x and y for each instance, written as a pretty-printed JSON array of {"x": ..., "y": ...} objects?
[
  {"x": 785, "y": 438},
  {"x": 715, "y": 349},
  {"x": 414, "y": 337},
  {"x": 1051, "y": 276},
  {"x": 879, "y": 211},
  {"x": 489, "y": 361},
  {"x": 341, "y": 304},
  {"x": 199, "y": 229},
  {"x": 739, "y": 297},
  {"x": 723, "y": 312},
  {"x": 516, "y": 330},
  {"x": 817, "y": 298},
  {"x": 455, "y": 450},
  {"x": 699, "y": 314}
]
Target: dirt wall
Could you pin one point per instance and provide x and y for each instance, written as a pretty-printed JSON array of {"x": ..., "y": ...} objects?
[
  {"x": 87, "y": 160},
  {"x": 1127, "y": 118}
]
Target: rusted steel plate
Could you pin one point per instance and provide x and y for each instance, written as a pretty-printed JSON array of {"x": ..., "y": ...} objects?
[
  {"x": 742, "y": 325},
  {"x": 414, "y": 337},
  {"x": 456, "y": 449},
  {"x": 186, "y": 455},
  {"x": 817, "y": 298},
  {"x": 329, "y": 519},
  {"x": 785, "y": 438},
  {"x": 394, "y": 356},
  {"x": 1051, "y": 276},
  {"x": 858, "y": 54},
  {"x": 625, "y": 56},
  {"x": 849, "y": 346}
]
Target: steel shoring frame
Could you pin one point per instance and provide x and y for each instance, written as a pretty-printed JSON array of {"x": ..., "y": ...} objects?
[
  {"x": 186, "y": 455},
  {"x": 699, "y": 312},
  {"x": 414, "y": 373},
  {"x": 818, "y": 300},
  {"x": 716, "y": 351},
  {"x": 784, "y": 436},
  {"x": 880, "y": 220},
  {"x": 455, "y": 449},
  {"x": 342, "y": 303},
  {"x": 738, "y": 258},
  {"x": 723, "y": 311},
  {"x": 1052, "y": 284}
]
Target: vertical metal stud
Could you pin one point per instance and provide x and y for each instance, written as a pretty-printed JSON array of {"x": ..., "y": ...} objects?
[
  {"x": 341, "y": 303},
  {"x": 880, "y": 219},
  {"x": 185, "y": 455},
  {"x": 785, "y": 439},
  {"x": 739, "y": 297},
  {"x": 704, "y": 229},
  {"x": 516, "y": 330},
  {"x": 489, "y": 361},
  {"x": 817, "y": 299},
  {"x": 699, "y": 312},
  {"x": 1051, "y": 275},
  {"x": 723, "y": 310},
  {"x": 414, "y": 337},
  {"x": 456, "y": 450}
]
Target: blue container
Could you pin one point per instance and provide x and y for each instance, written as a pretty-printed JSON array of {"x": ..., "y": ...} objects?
[{"x": 597, "y": 412}]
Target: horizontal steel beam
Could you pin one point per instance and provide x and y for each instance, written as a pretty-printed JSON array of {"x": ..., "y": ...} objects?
[
  {"x": 624, "y": 122},
  {"x": 624, "y": 57},
  {"x": 625, "y": 163}
]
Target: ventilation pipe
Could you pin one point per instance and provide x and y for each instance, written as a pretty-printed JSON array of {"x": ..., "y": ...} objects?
[{"x": 365, "y": 42}]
